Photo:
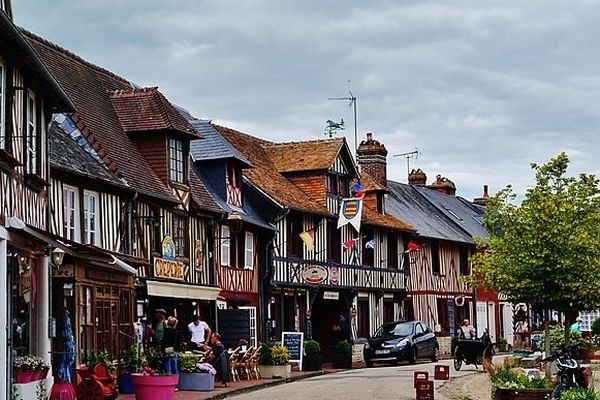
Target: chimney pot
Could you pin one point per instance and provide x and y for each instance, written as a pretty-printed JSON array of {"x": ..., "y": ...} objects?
[
  {"x": 369, "y": 136},
  {"x": 485, "y": 191}
]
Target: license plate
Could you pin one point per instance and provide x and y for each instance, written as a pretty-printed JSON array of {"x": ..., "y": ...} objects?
[{"x": 382, "y": 351}]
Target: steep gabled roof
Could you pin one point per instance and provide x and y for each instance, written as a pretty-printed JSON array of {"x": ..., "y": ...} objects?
[
  {"x": 213, "y": 147},
  {"x": 88, "y": 87},
  {"x": 265, "y": 176},
  {"x": 146, "y": 109},
  {"x": 372, "y": 217},
  {"x": 310, "y": 155},
  {"x": 405, "y": 202}
]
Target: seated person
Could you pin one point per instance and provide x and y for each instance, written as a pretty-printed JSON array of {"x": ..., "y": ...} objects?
[
  {"x": 467, "y": 331},
  {"x": 219, "y": 358}
]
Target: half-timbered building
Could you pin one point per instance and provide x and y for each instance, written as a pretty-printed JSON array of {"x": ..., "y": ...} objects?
[
  {"x": 29, "y": 95},
  {"x": 144, "y": 140},
  {"x": 241, "y": 239},
  {"x": 313, "y": 282}
]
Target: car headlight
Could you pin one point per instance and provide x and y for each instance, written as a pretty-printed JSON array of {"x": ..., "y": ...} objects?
[
  {"x": 403, "y": 343},
  {"x": 367, "y": 346}
]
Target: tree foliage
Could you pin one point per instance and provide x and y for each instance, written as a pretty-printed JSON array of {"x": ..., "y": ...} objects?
[{"x": 545, "y": 251}]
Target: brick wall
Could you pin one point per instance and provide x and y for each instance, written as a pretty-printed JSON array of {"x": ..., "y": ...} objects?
[{"x": 154, "y": 148}]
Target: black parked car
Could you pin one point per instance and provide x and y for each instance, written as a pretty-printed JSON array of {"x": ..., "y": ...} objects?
[{"x": 401, "y": 340}]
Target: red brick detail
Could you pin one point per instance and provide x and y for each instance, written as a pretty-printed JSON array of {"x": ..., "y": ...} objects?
[
  {"x": 313, "y": 186},
  {"x": 154, "y": 149}
]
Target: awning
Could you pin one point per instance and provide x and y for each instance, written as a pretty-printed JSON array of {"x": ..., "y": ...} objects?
[
  {"x": 16, "y": 225},
  {"x": 182, "y": 290}
]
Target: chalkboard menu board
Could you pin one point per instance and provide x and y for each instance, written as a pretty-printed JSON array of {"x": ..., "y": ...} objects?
[{"x": 294, "y": 341}]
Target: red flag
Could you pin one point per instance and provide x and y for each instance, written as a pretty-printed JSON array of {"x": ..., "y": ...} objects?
[
  {"x": 412, "y": 246},
  {"x": 348, "y": 244}
]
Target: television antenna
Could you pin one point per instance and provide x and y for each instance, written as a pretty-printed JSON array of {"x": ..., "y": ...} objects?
[
  {"x": 411, "y": 154},
  {"x": 352, "y": 104}
]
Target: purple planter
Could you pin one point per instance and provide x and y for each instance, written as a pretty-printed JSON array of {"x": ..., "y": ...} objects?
[{"x": 155, "y": 387}]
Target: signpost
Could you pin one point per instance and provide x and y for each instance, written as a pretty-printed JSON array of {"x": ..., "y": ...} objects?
[{"x": 294, "y": 341}]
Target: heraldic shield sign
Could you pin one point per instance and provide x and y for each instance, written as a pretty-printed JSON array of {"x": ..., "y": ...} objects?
[{"x": 350, "y": 212}]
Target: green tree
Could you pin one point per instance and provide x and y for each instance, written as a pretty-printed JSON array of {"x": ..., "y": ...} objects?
[{"x": 545, "y": 251}]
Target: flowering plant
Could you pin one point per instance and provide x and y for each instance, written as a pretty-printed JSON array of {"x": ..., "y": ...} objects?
[
  {"x": 30, "y": 363},
  {"x": 207, "y": 368}
]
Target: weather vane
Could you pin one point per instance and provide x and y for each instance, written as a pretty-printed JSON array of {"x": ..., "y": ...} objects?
[
  {"x": 352, "y": 104},
  {"x": 333, "y": 126}
]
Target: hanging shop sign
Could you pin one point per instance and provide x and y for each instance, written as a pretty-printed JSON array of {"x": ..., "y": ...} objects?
[
  {"x": 314, "y": 274},
  {"x": 169, "y": 269},
  {"x": 199, "y": 251},
  {"x": 168, "y": 248},
  {"x": 334, "y": 275}
]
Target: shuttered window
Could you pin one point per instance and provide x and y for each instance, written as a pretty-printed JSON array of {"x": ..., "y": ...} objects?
[
  {"x": 249, "y": 251},
  {"x": 225, "y": 246}
]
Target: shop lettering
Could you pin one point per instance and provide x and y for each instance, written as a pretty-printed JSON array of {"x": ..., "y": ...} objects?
[{"x": 168, "y": 269}]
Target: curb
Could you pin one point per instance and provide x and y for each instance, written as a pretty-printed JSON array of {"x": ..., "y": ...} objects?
[{"x": 265, "y": 385}]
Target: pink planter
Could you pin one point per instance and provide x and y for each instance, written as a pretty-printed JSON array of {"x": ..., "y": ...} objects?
[
  {"x": 154, "y": 387},
  {"x": 24, "y": 376},
  {"x": 35, "y": 376}
]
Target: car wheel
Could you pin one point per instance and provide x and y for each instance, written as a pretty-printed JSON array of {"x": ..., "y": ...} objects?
[
  {"x": 436, "y": 354},
  {"x": 457, "y": 363},
  {"x": 395, "y": 362},
  {"x": 412, "y": 358}
]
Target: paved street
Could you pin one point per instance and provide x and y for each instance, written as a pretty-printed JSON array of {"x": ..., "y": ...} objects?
[{"x": 386, "y": 382}]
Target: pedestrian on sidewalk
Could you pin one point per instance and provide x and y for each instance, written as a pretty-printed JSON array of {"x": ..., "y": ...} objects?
[
  {"x": 168, "y": 347},
  {"x": 199, "y": 332}
]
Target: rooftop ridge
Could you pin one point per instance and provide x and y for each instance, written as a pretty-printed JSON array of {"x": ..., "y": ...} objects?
[
  {"x": 72, "y": 55},
  {"x": 235, "y": 131},
  {"x": 329, "y": 140}
]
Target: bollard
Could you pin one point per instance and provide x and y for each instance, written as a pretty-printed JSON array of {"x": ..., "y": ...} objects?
[
  {"x": 425, "y": 390},
  {"x": 441, "y": 372},
  {"x": 420, "y": 376}
]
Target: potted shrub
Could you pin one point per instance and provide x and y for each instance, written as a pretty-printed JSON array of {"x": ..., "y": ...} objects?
[
  {"x": 313, "y": 359},
  {"x": 274, "y": 361},
  {"x": 502, "y": 345},
  {"x": 194, "y": 375},
  {"x": 512, "y": 384},
  {"x": 133, "y": 362},
  {"x": 342, "y": 356},
  {"x": 152, "y": 382}
]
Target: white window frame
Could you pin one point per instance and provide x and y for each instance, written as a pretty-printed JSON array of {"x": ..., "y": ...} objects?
[
  {"x": 248, "y": 250},
  {"x": 252, "y": 340},
  {"x": 31, "y": 135},
  {"x": 588, "y": 319},
  {"x": 3, "y": 145},
  {"x": 87, "y": 230},
  {"x": 71, "y": 205},
  {"x": 176, "y": 160},
  {"x": 225, "y": 246}
]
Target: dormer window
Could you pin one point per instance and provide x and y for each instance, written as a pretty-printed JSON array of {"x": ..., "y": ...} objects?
[
  {"x": 338, "y": 185},
  {"x": 176, "y": 161},
  {"x": 234, "y": 184},
  {"x": 31, "y": 136}
]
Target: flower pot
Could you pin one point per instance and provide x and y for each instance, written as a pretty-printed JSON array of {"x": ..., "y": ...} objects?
[
  {"x": 197, "y": 381},
  {"x": 276, "y": 371},
  {"x": 126, "y": 384},
  {"x": 313, "y": 362},
  {"x": 24, "y": 376},
  {"x": 35, "y": 375},
  {"x": 155, "y": 387},
  {"x": 44, "y": 373},
  {"x": 342, "y": 360},
  {"x": 522, "y": 394}
]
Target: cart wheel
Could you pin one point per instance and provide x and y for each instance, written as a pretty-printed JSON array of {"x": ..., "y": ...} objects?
[
  {"x": 90, "y": 390},
  {"x": 457, "y": 363}
]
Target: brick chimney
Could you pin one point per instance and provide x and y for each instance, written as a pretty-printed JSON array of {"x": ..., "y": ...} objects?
[
  {"x": 444, "y": 185},
  {"x": 372, "y": 158},
  {"x": 417, "y": 177},
  {"x": 482, "y": 201}
]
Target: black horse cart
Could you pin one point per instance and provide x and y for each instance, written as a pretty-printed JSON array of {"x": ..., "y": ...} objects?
[{"x": 473, "y": 351}]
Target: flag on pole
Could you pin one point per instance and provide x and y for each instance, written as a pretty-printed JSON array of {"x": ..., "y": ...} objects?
[
  {"x": 357, "y": 190},
  {"x": 412, "y": 247},
  {"x": 308, "y": 237},
  {"x": 348, "y": 244},
  {"x": 350, "y": 213},
  {"x": 370, "y": 244}
]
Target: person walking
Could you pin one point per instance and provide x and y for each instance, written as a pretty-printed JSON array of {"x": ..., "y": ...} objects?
[
  {"x": 160, "y": 324},
  {"x": 576, "y": 326},
  {"x": 199, "y": 332},
  {"x": 168, "y": 347}
]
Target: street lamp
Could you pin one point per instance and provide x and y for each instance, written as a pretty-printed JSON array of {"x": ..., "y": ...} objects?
[
  {"x": 58, "y": 255},
  {"x": 234, "y": 220}
]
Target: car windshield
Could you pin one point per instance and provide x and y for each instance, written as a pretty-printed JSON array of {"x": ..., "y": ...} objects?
[{"x": 395, "y": 330}]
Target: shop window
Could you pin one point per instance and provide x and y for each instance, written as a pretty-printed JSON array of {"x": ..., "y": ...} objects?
[
  {"x": 225, "y": 240},
  {"x": 392, "y": 250},
  {"x": 464, "y": 260},
  {"x": 3, "y": 133},
  {"x": 90, "y": 218},
  {"x": 31, "y": 137},
  {"x": 443, "y": 316},
  {"x": 180, "y": 235},
  {"x": 176, "y": 160},
  {"x": 249, "y": 251},
  {"x": 435, "y": 258},
  {"x": 86, "y": 339},
  {"x": 23, "y": 296},
  {"x": 334, "y": 242},
  {"x": 252, "y": 340},
  {"x": 70, "y": 199}
]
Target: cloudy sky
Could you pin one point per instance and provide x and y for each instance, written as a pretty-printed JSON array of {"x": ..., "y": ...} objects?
[{"x": 480, "y": 88}]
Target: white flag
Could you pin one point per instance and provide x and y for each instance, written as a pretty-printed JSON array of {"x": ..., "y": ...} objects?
[{"x": 350, "y": 213}]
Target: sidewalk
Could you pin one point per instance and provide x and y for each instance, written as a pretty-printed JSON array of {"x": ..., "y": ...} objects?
[{"x": 235, "y": 388}]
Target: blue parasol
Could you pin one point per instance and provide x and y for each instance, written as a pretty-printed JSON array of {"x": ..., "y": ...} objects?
[{"x": 63, "y": 389}]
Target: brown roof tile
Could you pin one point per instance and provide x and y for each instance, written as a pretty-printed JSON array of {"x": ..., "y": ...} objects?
[
  {"x": 264, "y": 175},
  {"x": 308, "y": 155},
  {"x": 146, "y": 109},
  {"x": 371, "y": 217},
  {"x": 201, "y": 196},
  {"x": 89, "y": 87}
]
